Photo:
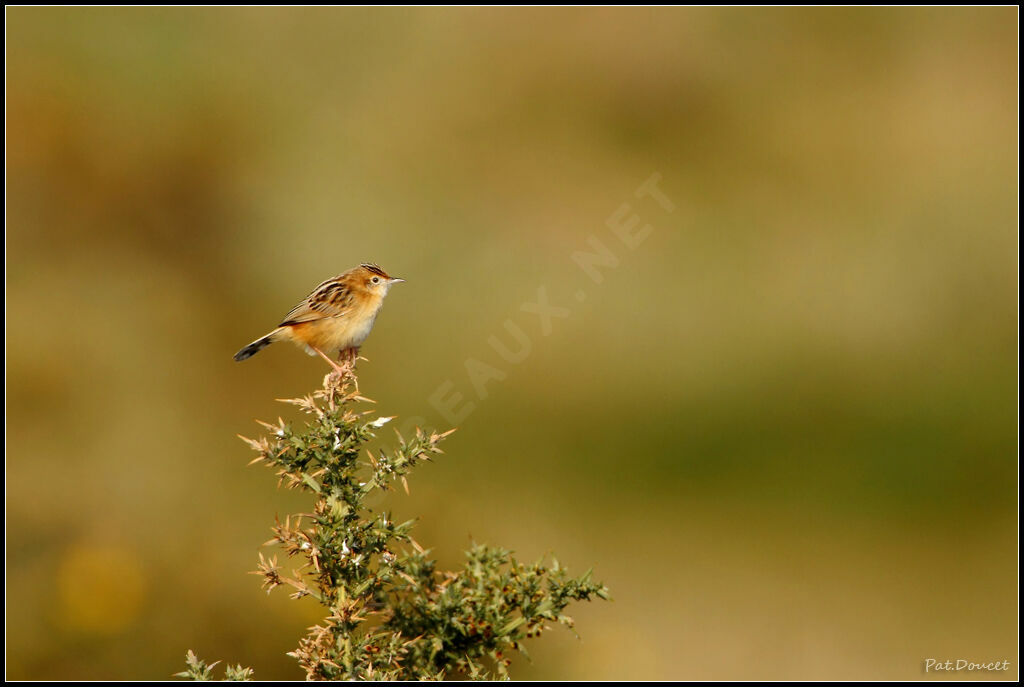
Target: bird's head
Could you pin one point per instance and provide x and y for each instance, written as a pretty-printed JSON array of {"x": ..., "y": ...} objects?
[{"x": 374, "y": 279}]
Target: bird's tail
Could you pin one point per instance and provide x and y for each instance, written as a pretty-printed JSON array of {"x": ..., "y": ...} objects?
[{"x": 257, "y": 346}]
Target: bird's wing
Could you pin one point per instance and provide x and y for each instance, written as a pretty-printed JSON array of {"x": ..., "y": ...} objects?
[{"x": 333, "y": 298}]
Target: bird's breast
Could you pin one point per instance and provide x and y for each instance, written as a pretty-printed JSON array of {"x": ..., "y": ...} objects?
[
  {"x": 338, "y": 333},
  {"x": 360, "y": 328}
]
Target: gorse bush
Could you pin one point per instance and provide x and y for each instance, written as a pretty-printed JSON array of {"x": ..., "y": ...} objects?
[{"x": 390, "y": 613}]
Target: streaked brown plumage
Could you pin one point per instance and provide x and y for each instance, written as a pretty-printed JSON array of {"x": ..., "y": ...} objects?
[{"x": 337, "y": 316}]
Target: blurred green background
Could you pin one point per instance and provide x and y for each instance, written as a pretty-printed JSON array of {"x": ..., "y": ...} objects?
[{"x": 782, "y": 430}]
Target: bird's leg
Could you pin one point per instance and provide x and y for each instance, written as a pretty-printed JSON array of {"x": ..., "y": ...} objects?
[{"x": 340, "y": 370}]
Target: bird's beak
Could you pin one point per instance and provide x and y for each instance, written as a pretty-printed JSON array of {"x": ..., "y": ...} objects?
[{"x": 395, "y": 280}]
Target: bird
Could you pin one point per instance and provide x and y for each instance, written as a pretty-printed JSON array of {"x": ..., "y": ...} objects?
[{"x": 336, "y": 316}]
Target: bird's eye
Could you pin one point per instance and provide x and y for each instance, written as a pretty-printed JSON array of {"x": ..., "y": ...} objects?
[{"x": 376, "y": 280}]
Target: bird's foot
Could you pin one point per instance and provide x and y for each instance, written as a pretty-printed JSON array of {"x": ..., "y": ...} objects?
[
  {"x": 340, "y": 371},
  {"x": 349, "y": 364}
]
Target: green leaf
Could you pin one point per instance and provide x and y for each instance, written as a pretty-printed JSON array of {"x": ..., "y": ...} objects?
[{"x": 512, "y": 625}]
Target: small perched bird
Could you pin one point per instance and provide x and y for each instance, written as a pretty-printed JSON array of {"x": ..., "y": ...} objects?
[{"x": 337, "y": 316}]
